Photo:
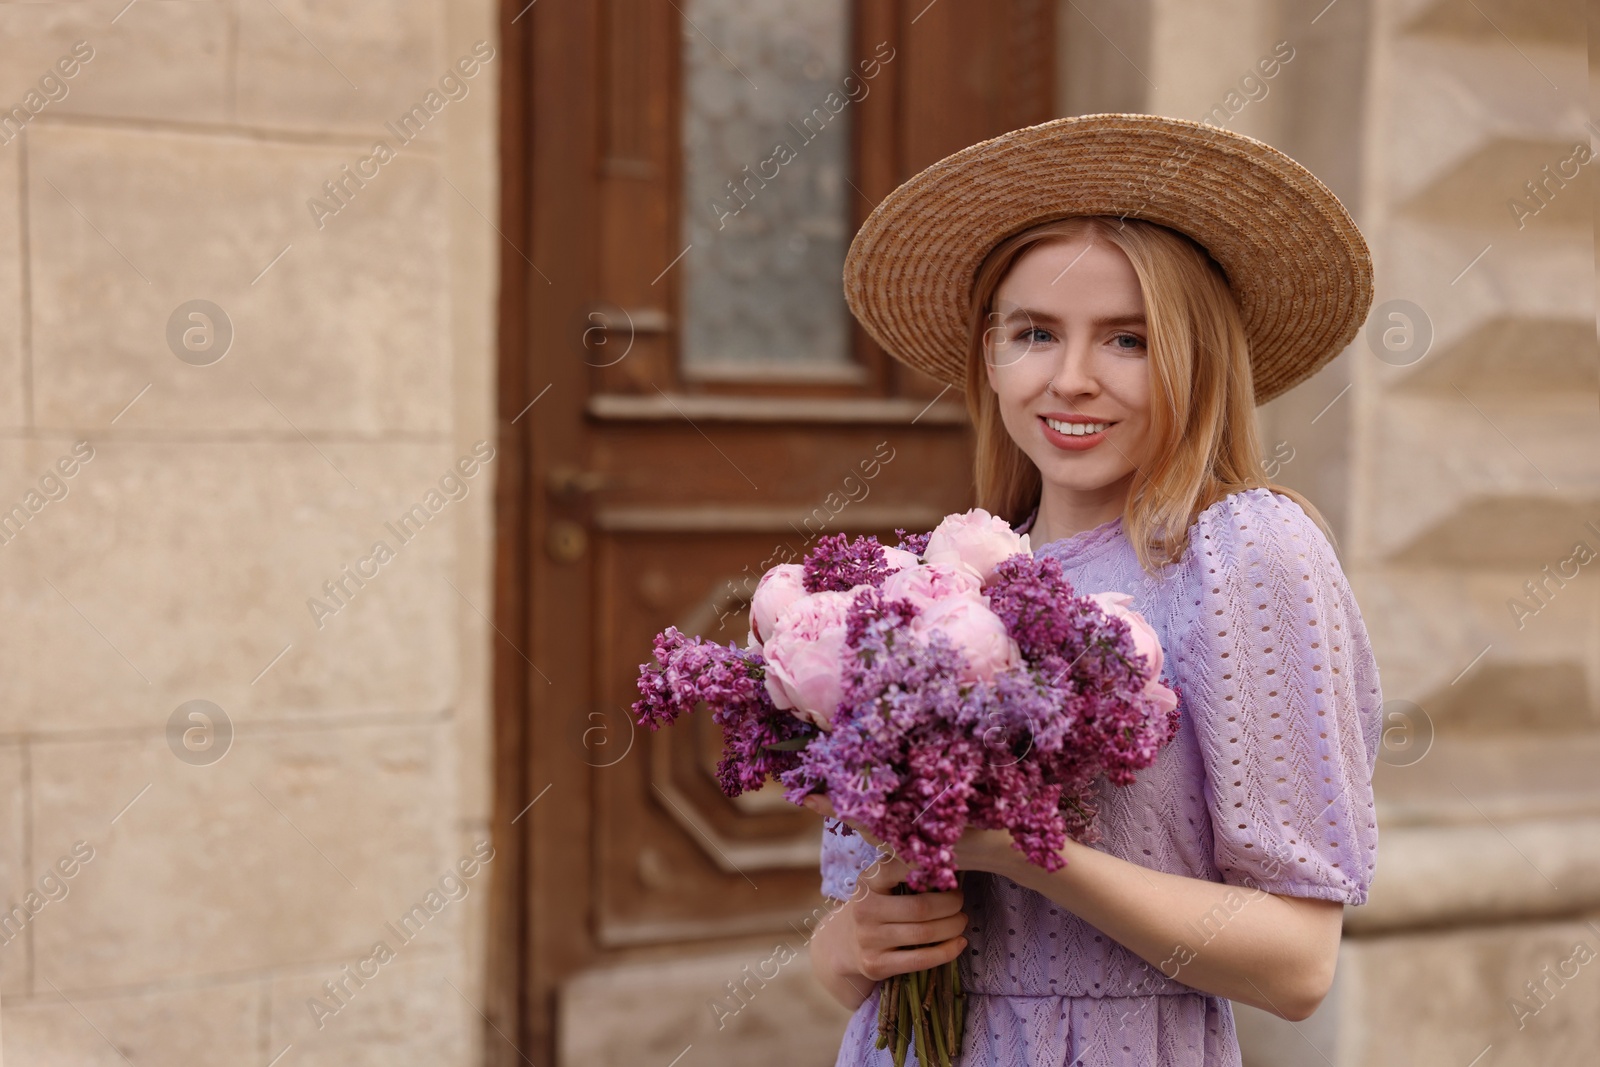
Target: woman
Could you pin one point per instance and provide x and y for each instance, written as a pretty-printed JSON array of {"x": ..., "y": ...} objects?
[{"x": 1116, "y": 293}]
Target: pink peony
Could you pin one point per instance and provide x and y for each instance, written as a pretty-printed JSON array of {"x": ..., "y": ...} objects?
[
  {"x": 899, "y": 559},
  {"x": 975, "y": 539},
  {"x": 929, "y": 582},
  {"x": 972, "y": 628},
  {"x": 805, "y": 656},
  {"x": 1145, "y": 642},
  {"x": 777, "y": 589},
  {"x": 1165, "y": 699}
]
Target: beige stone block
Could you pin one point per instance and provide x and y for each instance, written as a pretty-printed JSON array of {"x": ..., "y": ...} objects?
[
  {"x": 13, "y": 410},
  {"x": 210, "y": 1026},
  {"x": 299, "y": 846},
  {"x": 1511, "y": 186},
  {"x": 1199, "y": 53},
  {"x": 472, "y": 913},
  {"x": 471, "y": 166},
  {"x": 340, "y": 330},
  {"x": 1532, "y": 285},
  {"x": 1446, "y": 99},
  {"x": 1520, "y": 868},
  {"x": 1442, "y": 455},
  {"x": 1560, "y": 23},
  {"x": 410, "y": 1013},
  {"x": 1441, "y": 635},
  {"x": 1445, "y": 997},
  {"x": 18, "y": 874},
  {"x": 649, "y": 1012},
  {"x": 316, "y": 66},
  {"x": 478, "y": 644},
  {"x": 174, "y": 572},
  {"x": 1504, "y": 776},
  {"x": 156, "y": 61},
  {"x": 1501, "y": 350}
]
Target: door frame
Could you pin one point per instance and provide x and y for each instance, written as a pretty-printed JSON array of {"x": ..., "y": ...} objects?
[{"x": 551, "y": 101}]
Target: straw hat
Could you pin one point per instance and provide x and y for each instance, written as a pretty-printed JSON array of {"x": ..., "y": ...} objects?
[{"x": 1293, "y": 256}]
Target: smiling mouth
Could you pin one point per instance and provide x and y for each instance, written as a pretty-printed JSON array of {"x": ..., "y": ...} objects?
[{"x": 1076, "y": 429}]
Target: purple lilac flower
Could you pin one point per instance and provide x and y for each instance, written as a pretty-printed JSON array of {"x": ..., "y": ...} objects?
[
  {"x": 917, "y": 543},
  {"x": 1020, "y": 798},
  {"x": 842, "y": 564},
  {"x": 732, "y": 682}
]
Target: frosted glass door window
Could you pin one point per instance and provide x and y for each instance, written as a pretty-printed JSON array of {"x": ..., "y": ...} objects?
[{"x": 766, "y": 156}]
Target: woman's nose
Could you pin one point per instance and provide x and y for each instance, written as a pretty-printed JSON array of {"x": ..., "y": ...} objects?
[{"x": 1074, "y": 373}]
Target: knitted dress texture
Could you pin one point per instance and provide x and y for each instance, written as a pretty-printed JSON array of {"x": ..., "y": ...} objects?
[{"x": 1267, "y": 785}]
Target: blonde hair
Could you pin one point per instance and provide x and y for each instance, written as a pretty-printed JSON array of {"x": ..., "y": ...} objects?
[{"x": 1204, "y": 437}]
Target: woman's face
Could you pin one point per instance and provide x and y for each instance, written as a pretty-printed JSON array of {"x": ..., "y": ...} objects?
[{"x": 1067, "y": 345}]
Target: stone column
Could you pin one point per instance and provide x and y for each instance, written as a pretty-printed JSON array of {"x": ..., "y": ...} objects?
[{"x": 1475, "y": 540}]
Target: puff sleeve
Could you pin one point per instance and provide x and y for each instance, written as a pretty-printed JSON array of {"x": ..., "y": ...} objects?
[
  {"x": 843, "y": 859},
  {"x": 1282, "y": 688}
]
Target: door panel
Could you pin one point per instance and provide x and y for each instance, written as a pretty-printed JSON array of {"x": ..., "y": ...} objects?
[
  {"x": 655, "y": 480},
  {"x": 674, "y": 850}
]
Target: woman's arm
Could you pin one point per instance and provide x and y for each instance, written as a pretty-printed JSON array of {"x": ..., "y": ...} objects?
[
  {"x": 1280, "y": 691},
  {"x": 1272, "y": 951}
]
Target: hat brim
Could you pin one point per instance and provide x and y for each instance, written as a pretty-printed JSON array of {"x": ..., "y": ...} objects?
[{"x": 1295, "y": 260}]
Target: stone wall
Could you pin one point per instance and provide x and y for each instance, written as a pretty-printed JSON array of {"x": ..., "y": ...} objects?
[{"x": 194, "y": 494}]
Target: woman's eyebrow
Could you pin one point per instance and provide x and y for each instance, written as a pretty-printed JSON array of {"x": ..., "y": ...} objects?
[{"x": 1038, "y": 315}]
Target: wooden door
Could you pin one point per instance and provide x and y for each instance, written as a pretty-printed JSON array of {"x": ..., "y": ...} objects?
[{"x": 684, "y": 402}]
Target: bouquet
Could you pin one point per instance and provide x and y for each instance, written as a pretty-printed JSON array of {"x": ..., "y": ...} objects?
[{"x": 951, "y": 680}]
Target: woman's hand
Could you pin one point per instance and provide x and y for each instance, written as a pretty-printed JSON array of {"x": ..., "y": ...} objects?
[
  {"x": 893, "y": 933},
  {"x": 977, "y": 850},
  {"x": 986, "y": 850},
  {"x": 880, "y": 933}
]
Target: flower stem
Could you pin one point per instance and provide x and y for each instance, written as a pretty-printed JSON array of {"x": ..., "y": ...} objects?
[
  {"x": 888, "y": 992},
  {"x": 918, "y": 1022},
  {"x": 935, "y": 1025},
  {"x": 902, "y": 1035}
]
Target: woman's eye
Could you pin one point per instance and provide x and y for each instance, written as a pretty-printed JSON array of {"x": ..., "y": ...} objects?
[
  {"x": 1138, "y": 342},
  {"x": 1030, "y": 335}
]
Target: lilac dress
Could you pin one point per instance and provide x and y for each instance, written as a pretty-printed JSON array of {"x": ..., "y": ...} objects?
[{"x": 1268, "y": 783}]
